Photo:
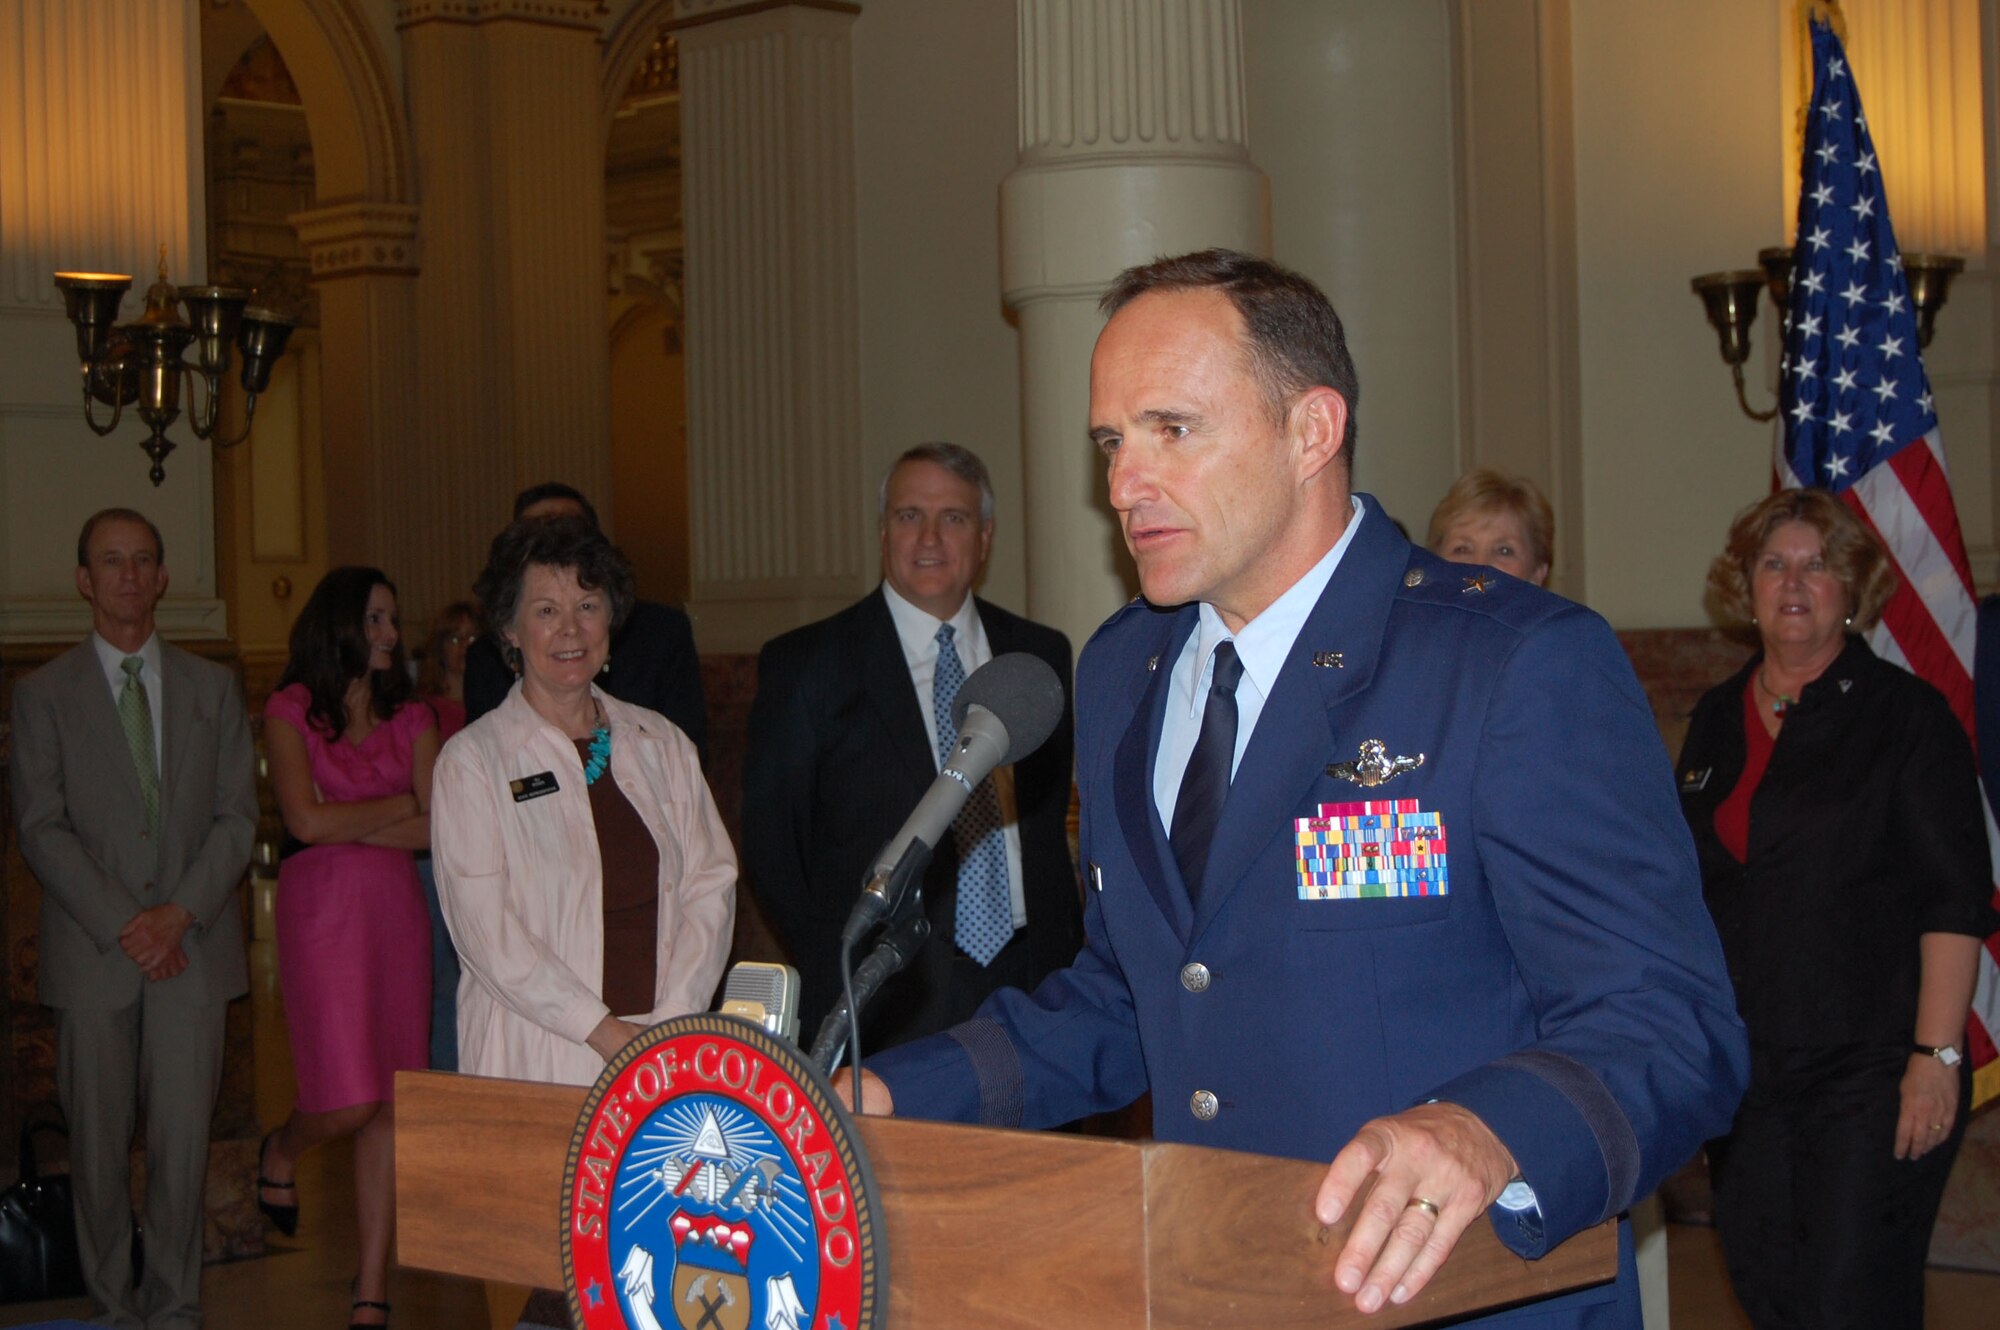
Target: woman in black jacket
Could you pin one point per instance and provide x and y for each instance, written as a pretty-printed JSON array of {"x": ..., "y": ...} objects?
[{"x": 1835, "y": 805}]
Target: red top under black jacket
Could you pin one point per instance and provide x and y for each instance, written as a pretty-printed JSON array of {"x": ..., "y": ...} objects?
[{"x": 1865, "y": 833}]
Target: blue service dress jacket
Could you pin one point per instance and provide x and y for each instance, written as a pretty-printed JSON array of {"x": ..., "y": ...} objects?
[{"x": 1555, "y": 971}]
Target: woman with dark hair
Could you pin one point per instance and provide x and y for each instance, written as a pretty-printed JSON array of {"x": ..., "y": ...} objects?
[
  {"x": 351, "y": 752},
  {"x": 441, "y": 684},
  {"x": 1837, "y": 815},
  {"x": 587, "y": 879}
]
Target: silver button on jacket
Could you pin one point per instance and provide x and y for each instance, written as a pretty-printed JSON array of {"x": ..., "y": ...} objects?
[
  {"x": 1194, "y": 977},
  {"x": 1204, "y": 1105}
]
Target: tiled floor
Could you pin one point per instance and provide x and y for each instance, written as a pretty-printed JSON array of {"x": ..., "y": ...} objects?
[{"x": 303, "y": 1283}]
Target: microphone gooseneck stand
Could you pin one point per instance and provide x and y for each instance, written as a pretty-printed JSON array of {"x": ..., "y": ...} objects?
[{"x": 841, "y": 1029}]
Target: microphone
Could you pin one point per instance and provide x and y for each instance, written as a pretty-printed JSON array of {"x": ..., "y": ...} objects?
[
  {"x": 1006, "y": 710},
  {"x": 764, "y": 994},
  {"x": 897, "y": 949}
]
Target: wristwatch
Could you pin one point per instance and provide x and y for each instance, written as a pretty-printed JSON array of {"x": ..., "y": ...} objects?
[{"x": 1944, "y": 1053}]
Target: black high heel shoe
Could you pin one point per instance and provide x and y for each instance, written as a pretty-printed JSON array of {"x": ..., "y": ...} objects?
[
  {"x": 364, "y": 1304},
  {"x": 285, "y": 1218}
]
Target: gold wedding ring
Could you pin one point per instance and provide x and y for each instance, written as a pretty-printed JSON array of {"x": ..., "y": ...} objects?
[{"x": 1419, "y": 1203}]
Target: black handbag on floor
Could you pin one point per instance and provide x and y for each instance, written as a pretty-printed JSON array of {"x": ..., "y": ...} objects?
[{"x": 38, "y": 1258}]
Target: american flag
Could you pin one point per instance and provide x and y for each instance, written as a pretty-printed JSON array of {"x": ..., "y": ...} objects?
[{"x": 1859, "y": 421}]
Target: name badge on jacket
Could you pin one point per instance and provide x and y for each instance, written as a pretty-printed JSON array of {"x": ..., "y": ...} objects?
[
  {"x": 1372, "y": 850},
  {"x": 1694, "y": 782},
  {"x": 533, "y": 787}
]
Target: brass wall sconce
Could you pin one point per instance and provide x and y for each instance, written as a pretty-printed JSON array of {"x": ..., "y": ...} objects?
[
  {"x": 144, "y": 361},
  {"x": 1730, "y": 300}
]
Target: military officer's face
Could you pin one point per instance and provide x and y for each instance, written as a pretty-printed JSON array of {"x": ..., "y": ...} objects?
[{"x": 1208, "y": 479}]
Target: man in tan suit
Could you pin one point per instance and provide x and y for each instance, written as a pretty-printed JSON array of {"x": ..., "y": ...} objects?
[{"x": 134, "y": 788}]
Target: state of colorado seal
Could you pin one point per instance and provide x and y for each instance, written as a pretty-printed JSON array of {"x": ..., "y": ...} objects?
[{"x": 715, "y": 1183}]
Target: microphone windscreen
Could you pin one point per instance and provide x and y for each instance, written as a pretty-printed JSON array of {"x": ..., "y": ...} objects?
[{"x": 1023, "y": 692}]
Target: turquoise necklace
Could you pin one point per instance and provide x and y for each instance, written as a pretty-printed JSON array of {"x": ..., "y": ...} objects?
[{"x": 598, "y": 757}]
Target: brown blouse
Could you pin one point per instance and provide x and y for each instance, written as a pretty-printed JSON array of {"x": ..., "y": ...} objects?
[{"x": 631, "y": 894}]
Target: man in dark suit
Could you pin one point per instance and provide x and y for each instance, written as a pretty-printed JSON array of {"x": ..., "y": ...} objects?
[
  {"x": 844, "y": 740},
  {"x": 1385, "y": 862},
  {"x": 653, "y": 661},
  {"x": 137, "y": 805}
]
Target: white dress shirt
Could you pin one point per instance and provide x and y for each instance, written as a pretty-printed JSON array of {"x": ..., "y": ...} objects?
[
  {"x": 113, "y": 661},
  {"x": 917, "y": 630},
  {"x": 1262, "y": 646}
]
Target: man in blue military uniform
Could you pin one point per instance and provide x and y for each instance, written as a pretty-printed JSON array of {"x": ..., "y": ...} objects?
[{"x": 1384, "y": 860}]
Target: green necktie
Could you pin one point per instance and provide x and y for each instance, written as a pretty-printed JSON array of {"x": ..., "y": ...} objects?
[{"x": 136, "y": 715}]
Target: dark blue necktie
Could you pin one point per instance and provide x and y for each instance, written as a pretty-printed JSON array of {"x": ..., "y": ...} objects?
[{"x": 1205, "y": 786}]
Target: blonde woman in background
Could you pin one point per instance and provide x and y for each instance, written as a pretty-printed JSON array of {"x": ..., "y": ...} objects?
[{"x": 1501, "y": 521}]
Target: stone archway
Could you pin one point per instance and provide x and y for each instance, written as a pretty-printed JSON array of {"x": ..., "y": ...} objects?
[
  {"x": 625, "y": 46},
  {"x": 360, "y": 240},
  {"x": 361, "y": 142}
]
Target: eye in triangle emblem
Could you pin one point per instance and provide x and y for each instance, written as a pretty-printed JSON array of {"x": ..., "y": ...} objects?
[{"x": 708, "y": 1142}]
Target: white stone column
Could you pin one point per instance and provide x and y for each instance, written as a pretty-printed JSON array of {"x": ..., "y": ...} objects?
[
  {"x": 1133, "y": 146},
  {"x": 100, "y": 165},
  {"x": 383, "y": 491},
  {"x": 774, "y": 408},
  {"x": 511, "y": 346}
]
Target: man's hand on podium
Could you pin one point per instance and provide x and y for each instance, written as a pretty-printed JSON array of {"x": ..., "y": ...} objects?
[
  {"x": 875, "y": 1097},
  {"x": 1436, "y": 1169}
]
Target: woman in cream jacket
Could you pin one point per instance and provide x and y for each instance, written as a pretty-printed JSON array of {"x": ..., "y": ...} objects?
[{"x": 587, "y": 879}]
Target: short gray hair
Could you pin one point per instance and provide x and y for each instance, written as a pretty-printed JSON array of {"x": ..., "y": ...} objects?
[{"x": 955, "y": 458}]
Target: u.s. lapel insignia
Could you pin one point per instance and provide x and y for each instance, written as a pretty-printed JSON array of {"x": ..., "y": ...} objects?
[
  {"x": 1477, "y": 582},
  {"x": 1152, "y": 663},
  {"x": 1374, "y": 766},
  {"x": 1414, "y": 578},
  {"x": 1330, "y": 660}
]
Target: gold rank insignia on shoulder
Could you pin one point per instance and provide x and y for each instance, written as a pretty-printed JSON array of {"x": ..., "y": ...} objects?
[
  {"x": 1477, "y": 582},
  {"x": 1374, "y": 766},
  {"x": 1330, "y": 660},
  {"x": 1415, "y": 577}
]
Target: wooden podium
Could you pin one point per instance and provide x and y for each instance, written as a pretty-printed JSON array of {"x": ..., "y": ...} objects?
[{"x": 990, "y": 1228}]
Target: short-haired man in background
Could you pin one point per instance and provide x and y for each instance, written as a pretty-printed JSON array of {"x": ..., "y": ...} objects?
[
  {"x": 135, "y": 792},
  {"x": 851, "y": 716}
]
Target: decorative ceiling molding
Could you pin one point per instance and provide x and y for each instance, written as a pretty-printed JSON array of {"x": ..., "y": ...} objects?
[
  {"x": 586, "y": 14},
  {"x": 352, "y": 239}
]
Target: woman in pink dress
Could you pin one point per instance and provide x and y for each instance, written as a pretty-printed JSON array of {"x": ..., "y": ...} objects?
[{"x": 350, "y": 752}]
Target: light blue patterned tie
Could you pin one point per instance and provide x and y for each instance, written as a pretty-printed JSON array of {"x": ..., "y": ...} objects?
[{"x": 985, "y": 916}]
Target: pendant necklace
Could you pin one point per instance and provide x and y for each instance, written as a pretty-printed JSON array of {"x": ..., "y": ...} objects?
[
  {"x": 1780, "y": 702},
  {"x": 599, "y": 756}
]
